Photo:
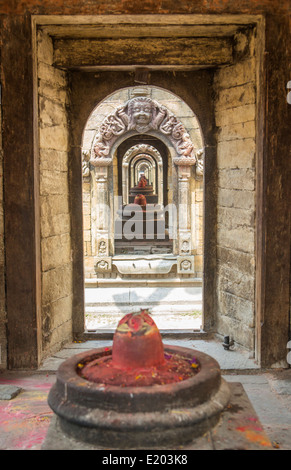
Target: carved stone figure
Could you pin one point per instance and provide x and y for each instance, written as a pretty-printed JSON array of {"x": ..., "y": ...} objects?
[
  {"x": 102, "y": 247},
  {"x": 186, "y": 147},
  {"x": 101, "y": 150}
]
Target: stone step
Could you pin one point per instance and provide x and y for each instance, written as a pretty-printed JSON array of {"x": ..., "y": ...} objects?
[
  {"x": 153, "y": 309},
  {"x": 173, "y": 283},
  {"x": 163, "y": 322},
  {"x": 96, "y": 297}
]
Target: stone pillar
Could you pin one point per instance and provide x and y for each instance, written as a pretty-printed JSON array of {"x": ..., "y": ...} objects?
[
  {"x": 160, "y": 182},
  {"x": 125, "y": 180},
  {"x": 185, "y": 258},
  {"x": 100, "y": 214}
]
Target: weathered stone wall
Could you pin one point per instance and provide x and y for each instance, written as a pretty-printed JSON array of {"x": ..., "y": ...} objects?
[
  {"x": 235, "y": 118},
  {"x": 3, "y": 339},
  {"x": 182, "y": 111},
  {"x": 56, "y": 263}
]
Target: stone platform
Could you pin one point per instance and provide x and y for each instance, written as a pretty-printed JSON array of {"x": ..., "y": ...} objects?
[{"x": 239, "y": 428}]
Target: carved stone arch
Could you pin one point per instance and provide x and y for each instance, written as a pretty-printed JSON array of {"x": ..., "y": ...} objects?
[
  {"x": 143, "y": 115},
  {"x": 133, "y": 153}
]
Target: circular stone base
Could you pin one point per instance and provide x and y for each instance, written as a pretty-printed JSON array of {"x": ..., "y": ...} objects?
[{"x": 138, "y": 417}]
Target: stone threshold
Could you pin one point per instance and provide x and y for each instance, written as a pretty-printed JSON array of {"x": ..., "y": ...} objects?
[
  {"x": 102, "y": 334},
  {"x": 118, "y": 282}
]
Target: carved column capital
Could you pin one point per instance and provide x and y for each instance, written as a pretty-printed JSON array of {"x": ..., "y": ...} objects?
[{"x": 184, "y": 161}]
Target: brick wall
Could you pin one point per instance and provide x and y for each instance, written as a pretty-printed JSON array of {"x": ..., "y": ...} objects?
[
  {"x": 56, "y": 260},
  {"x": 235, "y": 110}
]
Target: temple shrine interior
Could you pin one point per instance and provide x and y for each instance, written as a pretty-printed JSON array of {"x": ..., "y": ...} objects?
[{"x": 144, "y": 164}]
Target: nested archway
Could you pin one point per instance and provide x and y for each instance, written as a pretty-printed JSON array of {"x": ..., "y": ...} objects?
[
  {"x": 116, "y": 155},
  {"x": 118, "y": 142},
  {"x": 145, "y": 156},
  {"x": 142, "y": 158}
]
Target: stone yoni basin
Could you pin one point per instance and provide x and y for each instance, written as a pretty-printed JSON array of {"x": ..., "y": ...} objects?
[{"x": 139, "y": 393}]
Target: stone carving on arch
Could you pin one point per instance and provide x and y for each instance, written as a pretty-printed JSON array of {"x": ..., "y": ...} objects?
[{"x": 142, "y": 114}]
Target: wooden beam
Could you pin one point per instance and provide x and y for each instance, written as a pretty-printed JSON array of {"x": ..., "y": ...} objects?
[
  {"x": 94, "y": 31},
  {"x": 22, "y": 230},
  {"x": 147, "y": 19},
  {"x": 143, "y": 51}
]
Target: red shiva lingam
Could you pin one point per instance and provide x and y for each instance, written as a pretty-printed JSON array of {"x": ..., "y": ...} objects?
[
  {"x": 140, "y": 199},
  {"x": 138, "y": 357},
  {"x": 142, "y": 182},
  {"x": 138, "y": 393}
]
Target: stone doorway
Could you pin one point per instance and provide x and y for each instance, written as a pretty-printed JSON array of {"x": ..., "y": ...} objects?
[
  {"x": 222, "y": 86},
  {"x": 156, "y": 263},
  {"x": 233, "y": 62}
]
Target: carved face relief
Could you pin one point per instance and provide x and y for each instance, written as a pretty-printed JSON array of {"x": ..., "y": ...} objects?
[
  {"x": 185, "y": 265},
  {"x": 102, "y": 265},
  {"x": 140, "y": 114}
]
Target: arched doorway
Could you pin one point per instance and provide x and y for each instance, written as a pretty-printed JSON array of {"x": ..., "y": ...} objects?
[
  {"x": 141, "y": 135},
  {"x": 142, "y": 157}
]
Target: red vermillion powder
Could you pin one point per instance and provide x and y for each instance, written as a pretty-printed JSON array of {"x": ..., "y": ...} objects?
[{"x": 138, "y": 357}]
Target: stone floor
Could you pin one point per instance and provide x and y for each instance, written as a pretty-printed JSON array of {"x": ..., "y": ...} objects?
[
  {"x": 171, "y": 308},
  {"x": 25, "y": 419}
]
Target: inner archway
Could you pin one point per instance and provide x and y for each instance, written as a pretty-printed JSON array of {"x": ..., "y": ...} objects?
[
  {"x": 143, "y": 177},
  {"x": 167, "y": 150}
]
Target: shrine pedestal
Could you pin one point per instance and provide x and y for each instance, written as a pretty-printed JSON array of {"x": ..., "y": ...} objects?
[{"x": 239, "y": 428}]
